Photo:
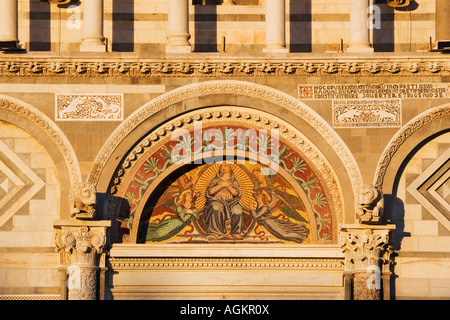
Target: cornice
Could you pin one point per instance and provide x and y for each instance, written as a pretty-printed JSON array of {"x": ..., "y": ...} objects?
[
  {"x": 223, "y": 65},
  {"x": 225, "y": 263}
]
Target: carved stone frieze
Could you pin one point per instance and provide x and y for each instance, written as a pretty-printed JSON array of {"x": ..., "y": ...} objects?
[
  {"x": 134, "y": 67},
  {"x": 225, "y": 263},
  {"x": 364, "y": 246}
]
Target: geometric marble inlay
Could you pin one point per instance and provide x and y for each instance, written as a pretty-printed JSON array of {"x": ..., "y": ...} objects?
[
  {"x": 18, "y": 183},
  {"x": 431, "y": 187}
]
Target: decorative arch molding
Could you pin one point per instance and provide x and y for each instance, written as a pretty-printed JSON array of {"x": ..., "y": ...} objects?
[
  {"x": 42, "y": 128},
  {"x": 219, "y": 93},
  {"x": 131, "y": 187},
  {"x": 417, "y": 130}
]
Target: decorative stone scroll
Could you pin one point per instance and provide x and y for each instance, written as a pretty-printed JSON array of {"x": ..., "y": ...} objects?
[
  {"x": 367, "y": 254},
  {"x": 80, "y": 245}
]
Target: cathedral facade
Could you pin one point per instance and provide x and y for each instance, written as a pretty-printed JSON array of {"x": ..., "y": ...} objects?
[{"x": 224, "y": 149}]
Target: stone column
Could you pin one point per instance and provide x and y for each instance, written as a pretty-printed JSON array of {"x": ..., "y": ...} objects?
[
  {"x": 93, "y": 39},
  {"x": 80, "y": 244},
  {"x": 442, "y": 20},
  {"x": 178, "y": 31},
  {"x": 367, "y": 249},
  {"x": 9, "y": 38},
  {"x": 359, "y": 29},
  {"x": 276, "y": 26}
]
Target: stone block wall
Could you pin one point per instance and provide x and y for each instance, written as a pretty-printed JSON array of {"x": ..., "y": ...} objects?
[{"x": 29, "y": 202}]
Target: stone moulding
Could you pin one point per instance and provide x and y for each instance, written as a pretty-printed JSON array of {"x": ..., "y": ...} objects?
[
  {"x": 195, "y": 66},
  {"x": 225, "y": 263}
]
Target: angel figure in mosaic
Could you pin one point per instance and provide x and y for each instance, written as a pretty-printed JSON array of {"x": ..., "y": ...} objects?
[
  {"x": 282, "y": 229},
  {"x": 168, "y": 228}
]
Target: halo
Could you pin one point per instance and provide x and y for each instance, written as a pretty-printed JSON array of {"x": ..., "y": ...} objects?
[{"x": 245, "y": 183}]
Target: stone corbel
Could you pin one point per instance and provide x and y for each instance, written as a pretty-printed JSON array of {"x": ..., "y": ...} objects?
[
  {"x": 367, "y": 251},
  {"x": 370, "y": 205},
  {"x": 80, "y": 244}
]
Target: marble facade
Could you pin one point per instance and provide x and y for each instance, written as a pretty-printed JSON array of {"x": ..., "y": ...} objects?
[{"x": 92, "y": 94}]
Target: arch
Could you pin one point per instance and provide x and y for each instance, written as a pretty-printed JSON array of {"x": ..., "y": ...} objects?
[
  {"x": 417, "y": 130},
  {"x": 151, "y": 161},
  {"x": 255, "y": 97},
  {"x": 48, "y": 134}
]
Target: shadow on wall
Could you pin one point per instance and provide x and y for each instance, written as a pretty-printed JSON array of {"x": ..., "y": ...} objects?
[
  {"x": 123, "y": 26},
  {"x": 383, "y": 32},
  {"x": 300, "y": 38},
  {"x": 40, "y": 32},
  {"x": 205, "y": 17},
  {"x": 395, "y": 208}
]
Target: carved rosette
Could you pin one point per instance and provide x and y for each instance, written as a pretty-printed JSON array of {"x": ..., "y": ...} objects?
[
  {"x": 367, "y": 255},
  {"x": 80, "y": 246}
]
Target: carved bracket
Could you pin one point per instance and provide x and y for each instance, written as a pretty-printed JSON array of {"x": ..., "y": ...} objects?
[
  {"x": 82, "y": 200},
  {"x": 370, "y": 205}
]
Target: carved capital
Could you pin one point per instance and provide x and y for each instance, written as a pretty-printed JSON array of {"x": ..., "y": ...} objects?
[
  {"x": 367, "y": 252},
  {"x": 365, "y": 246},
  {"x": 80, "y": 244}
]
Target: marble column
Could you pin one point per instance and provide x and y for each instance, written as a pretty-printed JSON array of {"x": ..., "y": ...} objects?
[
  {"x": 8, "y": 25},
  {"x": 359, "y": 29},
  {"x": 93, "y": 39},
  {"x": 80, "y": 244},
  {"x": 276, "y": 26},
  {"x": 442, "y": 20},
  {"x": 178, "y": 27}
]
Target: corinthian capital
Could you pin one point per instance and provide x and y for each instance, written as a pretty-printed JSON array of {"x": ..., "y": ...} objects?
[
  {"x": 365, "y": 246},
  {"x": 80, "y": 242}
]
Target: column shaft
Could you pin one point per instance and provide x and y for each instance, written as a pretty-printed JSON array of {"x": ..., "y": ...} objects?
[
  {"x": 93, "y": 38},
  {"x": 8, "y": 25},
  {"x": 178, "y": 27},
  {"x": 276, "y": 26},
  {"x": 359, "y": 29}
]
